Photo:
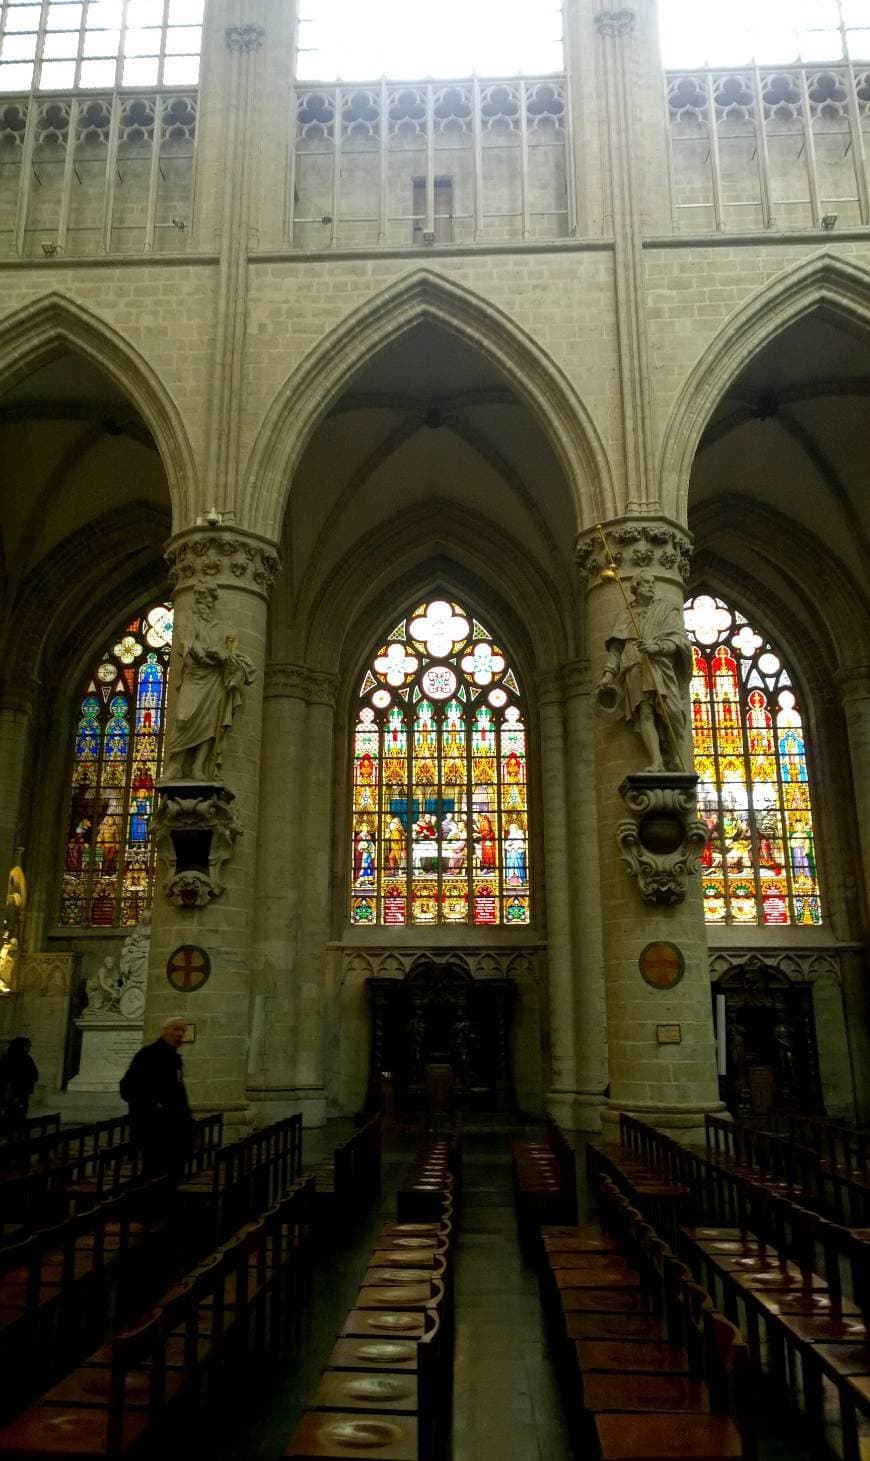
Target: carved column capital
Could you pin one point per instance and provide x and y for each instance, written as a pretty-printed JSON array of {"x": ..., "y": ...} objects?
[
  {"x": 636, "y": 543},
  {"x": 614, "y": 22},
  {"x": 853, "y": 683},
  {"x": 576, "y": 678},
  {"x": 244, "y": 38},
  {"x": 229, "y": 557},
  {"x": 297, "y": 682}
]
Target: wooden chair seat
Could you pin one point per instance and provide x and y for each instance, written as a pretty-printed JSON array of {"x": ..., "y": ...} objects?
[
  {"x": 89, "y": 1385},
  {"x": 635, "y": 1328},
  {"x": 376, "y": 1390},
  {"x": 396, "y": 1355},
  {"x": 382, "y": 1277},
  {"x": 395, "y": 1296},
  {"x": 400, "y": 1324},
  {"x": 404, "y": 1257},
  {"x": 663, "y": 1437},
  {"x": 605, "y": 1301},
  {"x": 78, "y": 1431},
  {"x": 317, "y": 1437},
  {"x": 815, "y": 1329},
  {"x": 604, "y": 1276},
  {"x": 842, "y": 1359},
  {"x": 627, "y": 1358},
  {"x": 644, "y": 1392},
  {"x": 594, "y": 1243},
  {"x": 608, "y": 1262},
  {"x": 800, "y": 1301}
]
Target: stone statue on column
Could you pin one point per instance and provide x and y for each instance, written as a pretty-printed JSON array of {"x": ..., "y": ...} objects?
[
  {"x": 213, "y": 672},
  {"x": 647, "y": 672}
]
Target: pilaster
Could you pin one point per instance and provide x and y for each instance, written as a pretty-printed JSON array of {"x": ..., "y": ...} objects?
[
  {"x": 286, "y": 1069},
  {"x": 660, "y": 1036}
]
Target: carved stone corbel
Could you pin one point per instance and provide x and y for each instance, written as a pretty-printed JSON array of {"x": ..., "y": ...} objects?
[
  {"x": 195, "y": 829},
  {"x": 663, "y": 839}
]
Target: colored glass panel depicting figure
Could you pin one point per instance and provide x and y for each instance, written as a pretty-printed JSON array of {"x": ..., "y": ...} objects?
[
  {"x": 117, "y": 754},
  {"x": 440, "y": 799},
  {"x": 753, "y": 790}
]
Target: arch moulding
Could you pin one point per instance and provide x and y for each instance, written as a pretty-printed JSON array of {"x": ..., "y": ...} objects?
[
  {"x": 824, "y": 282},
  {"x": 38, "y": 333},
  {"x": 324, "y": 373}
]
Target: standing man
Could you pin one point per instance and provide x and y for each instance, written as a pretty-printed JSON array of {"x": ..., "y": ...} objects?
[{"x": 153, "y": 1087}]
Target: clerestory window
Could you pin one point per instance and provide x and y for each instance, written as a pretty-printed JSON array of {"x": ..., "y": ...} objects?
[{"x": 64, "y": 45}]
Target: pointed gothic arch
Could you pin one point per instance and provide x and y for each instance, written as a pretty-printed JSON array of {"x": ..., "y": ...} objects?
[
  {"x": 36, "y": 334},
  {"x": 823, "y": 283},
  {"x": 321, "y": 376}
]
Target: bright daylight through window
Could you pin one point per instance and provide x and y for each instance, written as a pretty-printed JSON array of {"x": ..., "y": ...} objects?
[
  {"x": 60, "y": 45},
  {"x": 770, "y": 32},
  {"x": 414, "y": 39}
]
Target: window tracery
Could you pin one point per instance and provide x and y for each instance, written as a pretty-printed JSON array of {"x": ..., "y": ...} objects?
[
  {"x": 440, "y": 803},
  {"x": 108, "y": 862},
  {"x": 754, "y": 794}
]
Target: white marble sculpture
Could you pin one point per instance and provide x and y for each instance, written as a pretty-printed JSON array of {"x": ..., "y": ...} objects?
[{"x": 118, "y": 986}]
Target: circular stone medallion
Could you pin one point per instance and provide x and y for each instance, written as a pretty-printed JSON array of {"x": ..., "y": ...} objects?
[
  {"x": 187, "y": 968},
  {"x": 662, "y": 964}
]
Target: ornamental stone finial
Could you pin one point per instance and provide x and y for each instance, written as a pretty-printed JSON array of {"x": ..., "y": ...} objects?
[
  {"x": 614, "y": 22},
  {"x": 247, "y": 37}
]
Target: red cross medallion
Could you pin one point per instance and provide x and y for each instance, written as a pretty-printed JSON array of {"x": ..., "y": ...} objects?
[
  {"x": 187, "y": 968},
  {"x": 662, "y": 965}
]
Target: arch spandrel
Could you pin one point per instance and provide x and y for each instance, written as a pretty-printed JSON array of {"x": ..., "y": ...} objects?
[
  {"x": 325, "y": 372},
  {"x": 825, "y": 282},
  {"x": 33, "y": 336}
]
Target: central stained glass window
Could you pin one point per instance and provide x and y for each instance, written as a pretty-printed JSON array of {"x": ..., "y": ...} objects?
[{"x": 440, "y": 792}]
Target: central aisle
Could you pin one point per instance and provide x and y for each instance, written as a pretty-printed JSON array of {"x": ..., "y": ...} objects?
[{"x": 506, "y": 1401}]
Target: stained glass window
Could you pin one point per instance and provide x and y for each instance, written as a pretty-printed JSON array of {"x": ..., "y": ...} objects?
[
  {"x": 117, "y": 754},
  {"x": 440, "y": 801},
  {"x": 754, "y": 788}
]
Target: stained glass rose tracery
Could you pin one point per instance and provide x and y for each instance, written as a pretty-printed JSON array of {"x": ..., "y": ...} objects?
[
  {"x": 440, "y": 807},
  {"x": 117, "y": 754},
  {"x": 754, "y": 793}
]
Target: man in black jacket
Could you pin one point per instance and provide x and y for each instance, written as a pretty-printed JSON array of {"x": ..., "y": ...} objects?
[{"x": 160, "y": 1119}]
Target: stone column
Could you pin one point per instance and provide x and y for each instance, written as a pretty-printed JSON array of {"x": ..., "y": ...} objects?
[
  {"x": 854, "y": 685},
  {"x": 660, "y": 1040},
  {"x": 285, "y": 1070},
  {"x": 16, "y": 714},
  {"x": 585, "y": 897},
  {"x": 237, "y": 568},
  {"x": 562, "y": 1091}
]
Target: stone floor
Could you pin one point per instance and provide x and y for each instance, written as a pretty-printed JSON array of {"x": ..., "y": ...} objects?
[{"x": 506, "y": 1403}]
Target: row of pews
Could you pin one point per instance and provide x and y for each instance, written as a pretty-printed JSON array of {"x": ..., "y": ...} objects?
[
  {"x": 346, "y": 1184},
  {"x": 240, "y": 1301},
  {"x": 544, "y": 1182},
  {"x": 795, "y": 1280},
  {"x": 648, "y": 1367},
  {"x": 386, "y": 1389}
]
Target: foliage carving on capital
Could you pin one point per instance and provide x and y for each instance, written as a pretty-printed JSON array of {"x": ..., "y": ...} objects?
[
  {"x": 244, "y": 38},
  {"x": 213, "y": 553},
  {"x": 635, "y": 545},
  {"x": 297, "y": 682},
  {"x": 615, "y": 22},
  {"x": 854, "y": 683}
]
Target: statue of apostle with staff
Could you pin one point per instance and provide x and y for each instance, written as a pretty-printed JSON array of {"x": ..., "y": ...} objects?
[
  {"x": 648, "y": 670},
  {"x": 213, "y": 673}
]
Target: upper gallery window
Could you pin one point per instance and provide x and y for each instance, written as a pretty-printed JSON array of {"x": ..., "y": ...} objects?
[
  {"x": 754, "y": 790},
  {"x": 415, "y": 39},
  {"x": 773, "y": 32},
  {"x": 108, "y": 866},
  {"x": 440, "y": 801},
  {"x": 61, "y": 45}
]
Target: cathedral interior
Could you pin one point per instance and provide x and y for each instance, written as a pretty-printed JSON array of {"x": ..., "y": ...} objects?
[{"x": 436, "y": 673}]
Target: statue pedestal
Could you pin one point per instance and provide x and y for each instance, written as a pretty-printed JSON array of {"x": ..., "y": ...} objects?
[
  {"x": 108, "y": 1046},
  {"x": 663, "y": 839}
]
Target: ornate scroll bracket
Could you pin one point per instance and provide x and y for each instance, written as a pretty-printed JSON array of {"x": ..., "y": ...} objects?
[
  {"x": 663, "y": 839},
  {"x": 244, "y": 37},
  {"x": 615, "y": 22},
  {"x": 195, "y": 830}
]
